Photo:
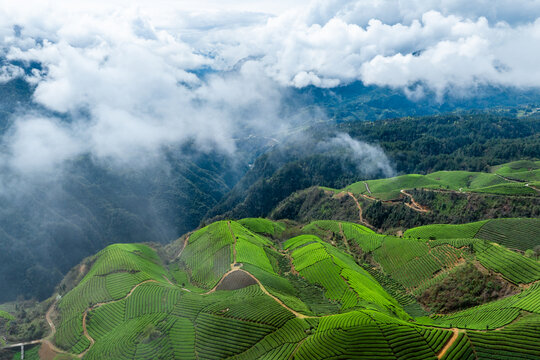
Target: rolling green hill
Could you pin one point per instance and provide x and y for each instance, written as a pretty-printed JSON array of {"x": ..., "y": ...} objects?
[
  {"x": 247, "y": 290},
  {"x": 521, "y": 170},
  {"x": 460, "y": 181}
]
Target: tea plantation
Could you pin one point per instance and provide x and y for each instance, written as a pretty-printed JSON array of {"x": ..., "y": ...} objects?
[{"x": 331, "y": 290}]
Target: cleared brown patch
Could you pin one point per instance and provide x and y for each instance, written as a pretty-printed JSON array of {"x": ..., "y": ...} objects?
[
  {"x": 236, "y": 280},
  {"x": 82, "y": 269},
  {"x": 338, "y": 195},
  {"x": 526, "y": 286},
  {"x": 186, "y": 240},
  {"x": 46, "y": 352}
]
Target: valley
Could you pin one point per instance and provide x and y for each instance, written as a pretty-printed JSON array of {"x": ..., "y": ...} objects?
[{"x": 276, "y": 180}]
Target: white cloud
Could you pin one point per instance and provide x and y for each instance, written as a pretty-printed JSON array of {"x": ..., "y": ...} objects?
[
  {"x": 136, "y": 77},
  {"x": 9, "y": 72},
  {"x": 371, "y": 159},
  {"x": 38, "y": 145}
]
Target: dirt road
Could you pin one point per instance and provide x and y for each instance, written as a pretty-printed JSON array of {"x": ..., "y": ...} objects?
[
  {"x": 360, "y": 213},
  {"x": 414, "y": 205},
  {"x": 449, "y": 343}
]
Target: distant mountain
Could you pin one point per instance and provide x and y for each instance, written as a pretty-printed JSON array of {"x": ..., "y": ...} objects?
[{"x": 357, "y": 102}]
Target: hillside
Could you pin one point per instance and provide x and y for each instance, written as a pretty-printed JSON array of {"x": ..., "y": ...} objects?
[
  {"x": 45, "y": 233},
  {"x": 93, "y": 204},
  {"x": 514, "y": 178},
  {"x": 412, "y": 200},
  {"x": 414, "y": 145},
  {"x": 262, "y": 289},
  {"x": 462, "y": 181}
]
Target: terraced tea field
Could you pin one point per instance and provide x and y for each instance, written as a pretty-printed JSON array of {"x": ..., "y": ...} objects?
[
  {"x": 263, "y": 226},
  {"x": 519, "y": 234},
  {"x": 235, "y": 293},
  {"x": 514, "y": 233}
]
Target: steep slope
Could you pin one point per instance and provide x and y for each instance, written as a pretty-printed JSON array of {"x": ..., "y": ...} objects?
[{"x": 45, "y": 233}]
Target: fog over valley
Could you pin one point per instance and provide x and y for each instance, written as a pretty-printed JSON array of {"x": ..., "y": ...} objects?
[{"x": 127, "y": 121}]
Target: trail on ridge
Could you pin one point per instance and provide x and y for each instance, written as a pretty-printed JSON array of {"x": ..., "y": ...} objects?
[
  {"x": 95, "y": 306},
  {"x": 449, "y": 343},
  {"x": 233, "y": 265}
]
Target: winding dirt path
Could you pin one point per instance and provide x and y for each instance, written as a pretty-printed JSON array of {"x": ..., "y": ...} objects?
[
  {"x": 46, "y": 340},
  {"x": 86, "y": 335},
  {"x": 449, "y": 343},
  {"x": 519, "y": 182},
  {"x": 233, "y": 265},
  {"x": 367, "y": 187},
  {"x": 182, "y": 249},
  {"x": 357, "y": 205},
  {"x": 360, "y": 213},
  {"x": 295, "y": 313},
  {"x": 263, "y": 289},
  {"x": 532, "y": 187},
  {"x": 49, "y": 319},
  {"x": 169, "y": 280},
  {"x": 414, "y": 205},
  {"x": 95, "y": 306},
  {"x": 221, "y": 280},
  {"x": 508, "y": 179}
]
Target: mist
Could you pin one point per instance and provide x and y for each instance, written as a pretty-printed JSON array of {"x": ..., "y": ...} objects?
[
  {"x": 370, "y": 159},
  {"x": 136, "y": 119}
]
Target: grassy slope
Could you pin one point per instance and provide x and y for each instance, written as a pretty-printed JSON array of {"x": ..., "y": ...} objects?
[
  {"x": 519, "y": 234},
  {"x": 522, "y": 170},
  {"x": 342, "y": 279},
  {"x": 388, "y": 189},
  {"x": 445, "y": 231}
]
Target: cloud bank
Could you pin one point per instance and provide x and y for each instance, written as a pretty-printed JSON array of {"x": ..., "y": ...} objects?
[{"x": 134, "y": 78}]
